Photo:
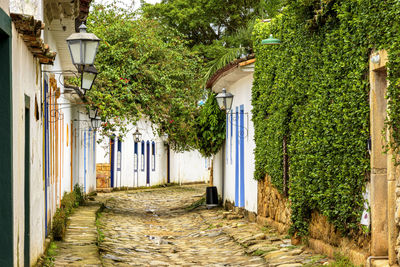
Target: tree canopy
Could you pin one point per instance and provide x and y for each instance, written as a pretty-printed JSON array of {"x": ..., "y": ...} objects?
[
  {"x": 145, "y": 70},
  {"x": 203, "y": 21}
]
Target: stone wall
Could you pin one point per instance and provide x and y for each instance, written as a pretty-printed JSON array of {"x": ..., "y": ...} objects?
[
  {"x": 103, "y": 175},
  {"x": 274, "y": 210}
]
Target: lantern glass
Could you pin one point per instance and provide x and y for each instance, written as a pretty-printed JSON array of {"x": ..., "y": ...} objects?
[
  {"x": 90, "y": 50},
  {"x": 88, "y": 76},
  {"x": 224, "y": 100},
  {"x": 221, "y": 103},
  {"x": 137, "y": 136},
  {"x": 96, "y": 123},
  {"x": 92, "y": 113},
  {"x": 228, "y": 102},
  {"x": 75, "y": 50}
]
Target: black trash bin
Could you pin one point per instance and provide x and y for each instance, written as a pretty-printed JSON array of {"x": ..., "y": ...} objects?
[{"x": 211, "y": 196}]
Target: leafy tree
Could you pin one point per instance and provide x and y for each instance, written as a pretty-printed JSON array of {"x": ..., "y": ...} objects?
[
  {"x": 210, "y": 129},
  {"x": 218, "y": 30},
  {"x": 203, "y": 21},
  {"x": 145, "y": 70}
]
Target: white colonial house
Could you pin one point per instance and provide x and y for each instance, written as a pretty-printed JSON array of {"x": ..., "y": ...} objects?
[
  {"x": 234, "y": 164},
  {"x": 149, "y": 161},
  {"x": 46, "y": 139}
]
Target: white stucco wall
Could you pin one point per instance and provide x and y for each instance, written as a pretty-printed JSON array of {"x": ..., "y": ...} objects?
[
  {"x": 84, "y": 146},
  {"x": 26, "y": 81},
  {"x": 188, "y": 167},
  {"x": 184, "y": 167},
  {"x": 241, "y": 89}
]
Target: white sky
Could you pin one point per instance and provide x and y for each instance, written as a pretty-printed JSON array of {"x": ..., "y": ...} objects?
[{"x": 128, "y": 3}]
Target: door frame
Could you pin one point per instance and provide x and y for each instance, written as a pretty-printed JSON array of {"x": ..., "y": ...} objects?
[
  {"x": 6, "y": 143},
  {"x": 27, "y": 195}
]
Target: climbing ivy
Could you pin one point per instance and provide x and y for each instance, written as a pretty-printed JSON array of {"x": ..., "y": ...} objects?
[{"x": 314, "y": 90}]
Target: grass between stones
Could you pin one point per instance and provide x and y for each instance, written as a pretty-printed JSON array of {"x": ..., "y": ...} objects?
[
  {"x": 50, "y": 255},
  {"x": 100, "y": 234},
  {"x": 68, "y": 203},
  {"x": 196, "y": 204}
]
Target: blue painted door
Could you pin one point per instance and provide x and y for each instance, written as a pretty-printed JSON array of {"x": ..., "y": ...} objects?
[
  {"x": 239, "y": 157},
  {"x": 241, "y": 150},
  {"x": 84, "y": 161},
  {"x": 148, "y": 162},
  {"x": 112, "y": 161}
]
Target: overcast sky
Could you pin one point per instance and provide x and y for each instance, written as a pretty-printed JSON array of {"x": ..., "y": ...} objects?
[{"x": 128, "y": 3}]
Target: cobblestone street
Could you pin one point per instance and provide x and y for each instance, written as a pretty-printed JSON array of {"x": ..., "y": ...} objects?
[{"x": 151, "y": 227}]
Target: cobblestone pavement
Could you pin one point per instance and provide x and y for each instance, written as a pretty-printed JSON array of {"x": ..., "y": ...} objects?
[
  {"x": 79, "y": 247},
  {"x": 151, "y": 227}
]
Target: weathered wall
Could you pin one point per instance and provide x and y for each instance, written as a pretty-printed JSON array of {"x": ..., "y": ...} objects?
[
  {"x": 274, "y": 209},
  {"x": 26, "y": 81},
  {"x": 103, "y": 175},
  {"x": 273, "y": 206}
]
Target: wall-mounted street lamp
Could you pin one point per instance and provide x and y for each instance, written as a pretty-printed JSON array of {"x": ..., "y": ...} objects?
[
  {"x": 271, "y": 41},
  {"x": 94, "y": 117},
  {"x": 224, "y": 100},
  {"x": 83, "y": 47},
  {"x": 88, "y": 76},
  {"x": 96, "y": 123},
  {"x": 137, "y": 136},
  {"x": 92, "y": 112}
]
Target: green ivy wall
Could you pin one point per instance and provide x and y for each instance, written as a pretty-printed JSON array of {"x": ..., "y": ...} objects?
[{"x": 314, "y": 89}]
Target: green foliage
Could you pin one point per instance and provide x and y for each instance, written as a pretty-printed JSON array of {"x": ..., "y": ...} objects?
[
  {"x": 99, "y": 224},
  {"x": 68, "y": 203},
  {"x": 145, "y": 70},
  {"x": 79, "y": 194},
  {"x": 204, "y": 21},
  {"x": 210, "y": 125},
  {"x": 50, "y": 255},
  {"x": 59, "y": 224},
  {"x": 198, "y": 203},
  {"x": 341, "y": 261},
  {"x": 314, "y": 89}
]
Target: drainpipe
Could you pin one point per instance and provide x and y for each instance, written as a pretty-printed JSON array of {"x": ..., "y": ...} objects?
[{"x": 375, "y": 258}]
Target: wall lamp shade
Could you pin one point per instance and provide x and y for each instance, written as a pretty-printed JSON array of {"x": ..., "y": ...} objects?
[
  {"x": 88, "y": 76},
  {"x": 224, "y": 100},
  {"x": 271, "y": 41},
  {"x": 92, "y": 113},
  {"x": 137, "y": 136},
  {"x": 83, "y": 47},
  {"x": 96, "y": 123}
]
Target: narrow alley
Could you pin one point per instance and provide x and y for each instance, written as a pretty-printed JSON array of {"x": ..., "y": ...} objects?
[{"x": 161, "y": 227}]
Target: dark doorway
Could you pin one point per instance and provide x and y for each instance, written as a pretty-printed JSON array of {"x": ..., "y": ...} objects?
[
  {"x": 27, "y": 184},
  {"x": 6, "y": 144}
]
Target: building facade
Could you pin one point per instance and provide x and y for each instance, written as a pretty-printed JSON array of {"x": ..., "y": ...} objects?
[
  {"x": 147, "y": 162},
  {"x": 234, "y": 164}
]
